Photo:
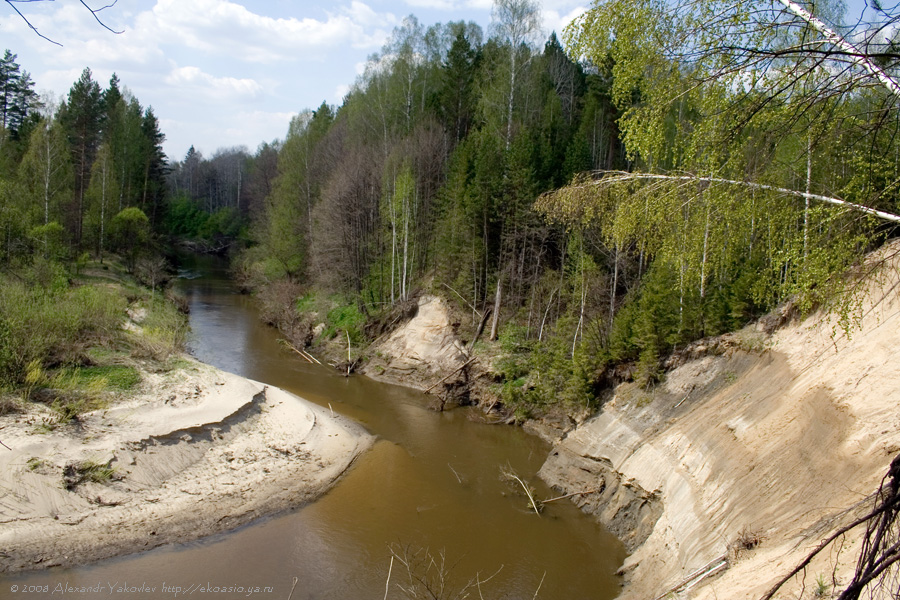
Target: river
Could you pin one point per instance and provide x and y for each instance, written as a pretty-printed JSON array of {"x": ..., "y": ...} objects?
[{"x": 431, "y": 485}]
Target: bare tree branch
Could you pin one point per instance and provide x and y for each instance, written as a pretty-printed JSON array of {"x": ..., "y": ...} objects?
[
  {"x": 862, "y": 58},
  {"x": 95, "y": 12},
  {"x": 27, "y": 22}
]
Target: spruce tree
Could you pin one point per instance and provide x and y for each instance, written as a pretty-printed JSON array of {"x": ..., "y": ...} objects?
[{"x": 82, "y": 115}]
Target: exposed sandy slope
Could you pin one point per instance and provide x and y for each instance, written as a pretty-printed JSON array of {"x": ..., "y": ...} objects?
[
  {"x": 421, "y": 351},
  {"x": 201, "y": 451},
  {"x": 779, "y": 444}
]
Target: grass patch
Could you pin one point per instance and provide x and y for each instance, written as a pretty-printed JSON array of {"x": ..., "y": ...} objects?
[
  {"x": 52, "y": 324},
  {"x": 111, "y": 377},
  {"x": 345, "y": 318},
  {"x": 87, "y": 471},
  {"x": 9, "y": 404},
  {"x": 70, "y": 408},
  {"x": 37, "y": 465},
  {"x": 163, "y": 332}
]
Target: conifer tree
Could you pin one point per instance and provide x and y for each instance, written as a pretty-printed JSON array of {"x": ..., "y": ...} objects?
[{"x": 82, "y": 115}]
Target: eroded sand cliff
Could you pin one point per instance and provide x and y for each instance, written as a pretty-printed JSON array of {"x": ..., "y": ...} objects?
[{"x": 783, "y": 446}]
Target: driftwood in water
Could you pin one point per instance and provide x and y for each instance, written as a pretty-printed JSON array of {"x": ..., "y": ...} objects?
[
  {"x": 455, "y": 371},
  {"x": 303, "y": 353},
  {"x": 572, "y": 495}
]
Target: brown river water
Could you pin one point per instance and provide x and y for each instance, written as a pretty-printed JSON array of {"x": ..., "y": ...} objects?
[{"x": 432, "y": 483}]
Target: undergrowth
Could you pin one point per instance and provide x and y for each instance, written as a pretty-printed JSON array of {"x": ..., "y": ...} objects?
[{"x": 63, "y": 337}]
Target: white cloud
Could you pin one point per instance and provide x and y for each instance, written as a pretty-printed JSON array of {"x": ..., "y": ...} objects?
[
  {"x": 257, "y": 124},
  {"x": 60, "y": 80},
  {"x": 224, "y": 28},
  {"x": 480, "y": 4},
  {"x": 340, "y": 92},
  {"x": 244, "y": 128},
  {"x": 434, "y": 4},
  {"x": 554, "y": 21},
  {"x": 194, "y": 80}
]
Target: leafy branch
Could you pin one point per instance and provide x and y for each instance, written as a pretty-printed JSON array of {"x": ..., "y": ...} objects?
[{"x": 610, "y": 178}]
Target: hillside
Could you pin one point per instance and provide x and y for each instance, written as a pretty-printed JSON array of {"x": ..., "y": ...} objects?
[{"x": 780, "y": 447}]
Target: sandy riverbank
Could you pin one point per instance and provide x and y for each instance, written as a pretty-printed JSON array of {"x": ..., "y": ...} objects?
[
  {"x": 196, "y": 452},
  {"x": 741, "y": 463}
]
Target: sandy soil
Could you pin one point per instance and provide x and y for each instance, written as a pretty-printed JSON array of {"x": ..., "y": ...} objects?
[
  {"x": 420, "y": 352},
  {"x": 784, "y": 446},
  {"x": 196, "y": 452}
]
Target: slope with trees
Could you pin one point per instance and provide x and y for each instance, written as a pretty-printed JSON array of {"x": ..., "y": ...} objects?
[{"x": 663, "y": 187}]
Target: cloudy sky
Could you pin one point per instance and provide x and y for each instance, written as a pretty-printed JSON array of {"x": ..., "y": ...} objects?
[{"x": 222, "y": 73}]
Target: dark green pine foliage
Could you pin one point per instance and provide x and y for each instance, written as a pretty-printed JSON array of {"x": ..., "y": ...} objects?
[
  {"x": 82, "y": 115},
  {"x": 455, "y": 94},
  {"x": 18, "y": 100},
  {"x": 9, "y": 83},
  {"x": 153, "y": 188}
]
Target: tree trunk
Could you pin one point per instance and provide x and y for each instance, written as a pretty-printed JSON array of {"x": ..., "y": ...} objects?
[{"x": 495, "y": 322}]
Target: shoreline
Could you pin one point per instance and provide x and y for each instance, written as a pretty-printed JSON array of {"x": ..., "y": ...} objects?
[{"x": 195, "y": 453}]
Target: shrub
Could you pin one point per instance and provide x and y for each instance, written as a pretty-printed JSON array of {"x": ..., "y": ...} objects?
[
  {"x": 164, "y": 332},
  {"x": 345, "y": 318},
  {"x": 51, "y": 325}
]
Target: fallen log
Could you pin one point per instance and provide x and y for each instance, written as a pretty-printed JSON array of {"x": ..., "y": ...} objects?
[
  {"x": 455, "y": 371},
  {"x": 573, "y": 494}
]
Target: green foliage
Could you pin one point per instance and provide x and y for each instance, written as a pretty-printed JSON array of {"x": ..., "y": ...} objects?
[
  {"x": 427, "y": 177},
  {"x": 52, "y": 324},
  {"x": 163, "y": 332},
  {"x": 184, "y": 218},
  {"x": 130, "y": 233},
  {"x": 111, "y": 377},
  {"x": 537, "y": 375},
  {"x": 51, "y": 239},
  {"x": 345, "y": 318}
]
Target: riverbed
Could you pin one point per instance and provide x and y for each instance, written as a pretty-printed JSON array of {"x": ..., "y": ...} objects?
[{"x": 430, "y": 487}]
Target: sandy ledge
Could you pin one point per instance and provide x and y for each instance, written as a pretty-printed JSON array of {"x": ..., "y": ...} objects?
[{"x": 197, "y": 452}]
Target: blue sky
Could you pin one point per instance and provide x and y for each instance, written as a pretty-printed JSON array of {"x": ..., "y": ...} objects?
[{"x": 221, "y": 73}]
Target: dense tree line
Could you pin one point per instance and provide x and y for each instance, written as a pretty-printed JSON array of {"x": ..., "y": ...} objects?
[
  {"x": 78, "y": 177},
  {"x": 428, "y": 174},
  {"x": 665, "y": 186}
]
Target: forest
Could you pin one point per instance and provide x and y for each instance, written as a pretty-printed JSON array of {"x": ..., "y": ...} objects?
[{"x": 656, "y": 175}]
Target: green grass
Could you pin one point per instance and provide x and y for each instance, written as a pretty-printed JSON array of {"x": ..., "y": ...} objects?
[
  {"x": 52, "y": 325},
  {"x": 36, "y": 464},
  {"x": 87, "y": 471},
  {"x": 345, "y": 318},
  {"x": 114, "y": 377},
  {"x": 822, "y": 587}
]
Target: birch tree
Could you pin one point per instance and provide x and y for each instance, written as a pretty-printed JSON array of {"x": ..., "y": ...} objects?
[
  {"x": 46, "y": 172},
  {"x": 516, "y": 23},
  {"x": 723, "y": 105}
]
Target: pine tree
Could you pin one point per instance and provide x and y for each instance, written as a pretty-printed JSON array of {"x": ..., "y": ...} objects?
[
  {"x": 82, "y": 115},
  {"x": 25, "y": 103},
  {"x": 457, "y": 80},
  {"x": 9, "y": 85},
  {"x": 154, "y": 167}
]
